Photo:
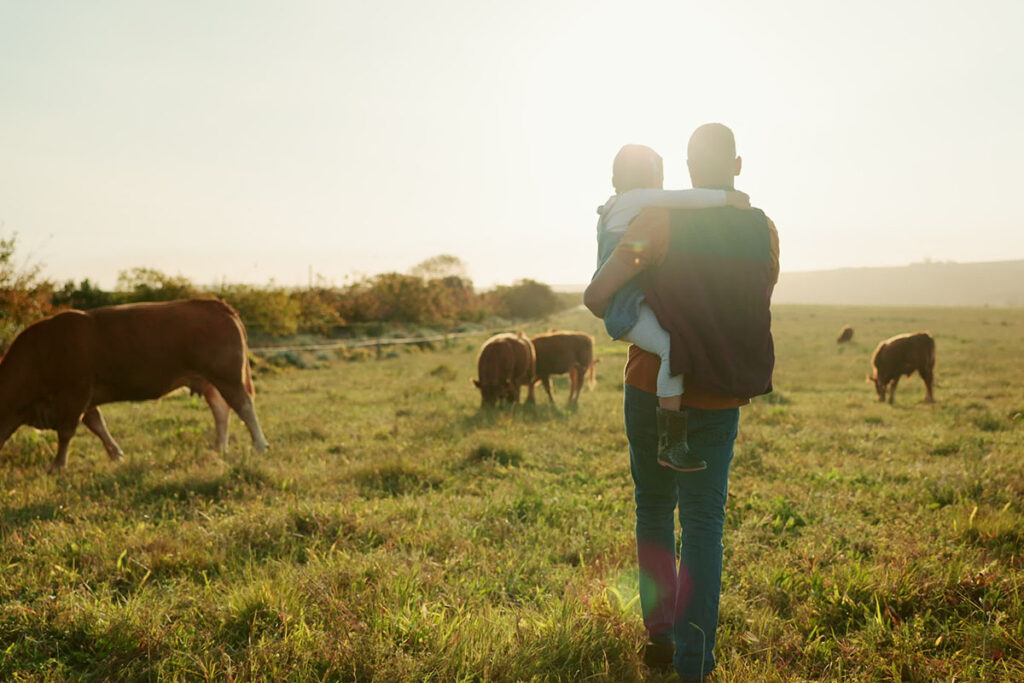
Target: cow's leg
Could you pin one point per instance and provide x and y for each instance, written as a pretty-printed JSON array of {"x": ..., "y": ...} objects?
[
  {"x": 546, "y": 381},
  {"x": 529, "y": 393},
  {"x": 221, "y": 410},
  {"x": 575, "y": 384},
  {"x": 64, "y": 434},
  {"x": 93, "y": 419},
  {"x": 892, "y": 388},
  {"x": 241, "y": 403},
  {"x": 928, "y": 377}
]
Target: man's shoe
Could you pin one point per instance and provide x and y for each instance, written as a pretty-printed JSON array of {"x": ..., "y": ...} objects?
[
  {"x": 658, "y": 656},
  {"x": 673, "y": 451}
]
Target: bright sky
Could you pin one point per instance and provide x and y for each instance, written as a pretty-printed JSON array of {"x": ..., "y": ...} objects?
[{"x": 244, "y": 141}]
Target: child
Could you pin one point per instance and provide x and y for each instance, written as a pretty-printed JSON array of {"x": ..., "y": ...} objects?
[{"x": 637, "y": 177}]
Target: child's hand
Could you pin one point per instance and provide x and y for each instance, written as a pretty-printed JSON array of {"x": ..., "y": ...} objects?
[{"x": 740, "y": 200}]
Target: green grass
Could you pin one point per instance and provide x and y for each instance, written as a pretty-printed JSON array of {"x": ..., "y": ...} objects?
[{"x": 394, "y": 532}]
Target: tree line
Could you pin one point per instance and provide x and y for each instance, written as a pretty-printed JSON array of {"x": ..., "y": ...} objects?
[{"x": 436, "y": 293}]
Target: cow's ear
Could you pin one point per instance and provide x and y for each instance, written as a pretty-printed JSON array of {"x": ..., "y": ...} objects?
[
  {"x": 475, "y": 382},
  {"x": 869, "y": 378}
]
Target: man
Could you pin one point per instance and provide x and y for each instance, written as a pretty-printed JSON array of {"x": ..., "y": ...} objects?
[{"x": 708, "y": 274}]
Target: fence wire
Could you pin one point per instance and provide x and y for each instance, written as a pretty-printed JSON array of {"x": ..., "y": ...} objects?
[{"x": 378, "y": 342}]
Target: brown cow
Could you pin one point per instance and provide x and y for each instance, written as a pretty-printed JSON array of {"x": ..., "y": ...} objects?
[
  {"x": 561, "y": 352},
  {"x": 505, "y": 363},
  {"x": 902, "y": 355},
  {"x": 60, "y": 369},
  {"x": 845, "y": 335}
]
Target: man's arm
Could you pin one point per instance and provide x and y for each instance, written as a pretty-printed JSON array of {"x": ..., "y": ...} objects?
[
  {"x": 644, "y": 242},
  {"x": 773, "y": 246},
  {"x": 613, "y": 274},
  {"x": 693, "y": 198},
  {"x": 697, "y": 198}
]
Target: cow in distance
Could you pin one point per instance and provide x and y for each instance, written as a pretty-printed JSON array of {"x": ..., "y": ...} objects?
[
  {"x": 564, "y": 352},
  {"x": 505, "y": 364},
  {"x": 845, "y": 335},
  {"x": 903, "y": 355},
  {"x": 59, "y": 370}
]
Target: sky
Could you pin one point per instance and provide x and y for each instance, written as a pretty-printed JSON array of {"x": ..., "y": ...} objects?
[{"x": 258, "y": 141}]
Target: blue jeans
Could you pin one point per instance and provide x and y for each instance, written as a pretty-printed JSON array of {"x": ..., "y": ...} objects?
[{"x": 680, "y": 605}]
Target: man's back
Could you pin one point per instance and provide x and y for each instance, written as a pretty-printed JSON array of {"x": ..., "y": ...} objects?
[{"x": 709, "y": 279}]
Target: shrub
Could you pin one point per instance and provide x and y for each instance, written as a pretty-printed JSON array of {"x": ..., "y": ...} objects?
[
  {"x": 24, "y": 297},
  {"x": 524, "y": 299},
  {"x": 270, "y": 311},
  {"x": 318, "y": 312},
  {"x": 147, "y": 284},
  {"x": 84, "y": 296},
  {"x": 394, "y": 297}
]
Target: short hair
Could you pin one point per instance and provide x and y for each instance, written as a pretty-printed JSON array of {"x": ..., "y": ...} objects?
[
  {"x": 636, "y": 166},
  {"x": 712, "y": 146}
]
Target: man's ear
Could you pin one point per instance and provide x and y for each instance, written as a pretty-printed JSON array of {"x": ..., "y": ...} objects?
[{"x": 739, "y": 165}]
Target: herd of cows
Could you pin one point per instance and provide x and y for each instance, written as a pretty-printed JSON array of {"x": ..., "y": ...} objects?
[
  {"x": 59, "y": 370},
  {"x": 508, "y": 362}
]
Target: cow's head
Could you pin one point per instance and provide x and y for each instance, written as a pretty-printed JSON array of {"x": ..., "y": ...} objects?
[
  {"x": 880, "y": 386},
  {"x": 490, "y": 394}
]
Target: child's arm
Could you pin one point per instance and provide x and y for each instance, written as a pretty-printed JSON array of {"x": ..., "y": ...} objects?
[
  {"x": 697, "y": 198},
  {"x": 613, "y": 274},
  {"x": 686, "y": 199}
]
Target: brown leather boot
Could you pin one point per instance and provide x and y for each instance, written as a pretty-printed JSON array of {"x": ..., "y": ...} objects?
[
  {"x": 673, "y": 451},
  {"x": 658, "y": 656}
]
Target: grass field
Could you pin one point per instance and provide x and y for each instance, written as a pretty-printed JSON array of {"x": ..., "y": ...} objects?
[{"x": 394, "y": 533}]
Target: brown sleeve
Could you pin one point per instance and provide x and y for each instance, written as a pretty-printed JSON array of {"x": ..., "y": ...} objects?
[
  {"x": 773, "y": 245},
  {"x": 646, "y": 239}
]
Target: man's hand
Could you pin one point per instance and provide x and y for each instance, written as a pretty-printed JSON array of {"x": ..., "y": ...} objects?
[
  {"x": 613, "y": 274},
  {"x": 737, "y": 199}
]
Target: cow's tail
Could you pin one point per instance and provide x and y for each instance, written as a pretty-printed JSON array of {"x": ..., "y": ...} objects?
[
  {"x": 592, "y": 373},
  {"x": 930, "y": 360},
  {"x": 230, "y": 310},
  {"x": 247, "y": 379},
  {"x": 246, "y": 369}
]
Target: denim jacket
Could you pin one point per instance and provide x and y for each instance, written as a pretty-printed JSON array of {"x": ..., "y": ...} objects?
[{"x": 624, "y": 309}]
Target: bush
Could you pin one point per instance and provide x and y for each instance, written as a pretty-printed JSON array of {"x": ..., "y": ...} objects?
[
  {"x": 394, "y": 297},
  {"x": 146, "y": 284},
  {"x": 524, "y": 299},
  {"x": 24, "y": 297},
  {"x": 318, "y": 310},
  {"x": 84, "y": 296},
  {"x": 270, "y": 311}
]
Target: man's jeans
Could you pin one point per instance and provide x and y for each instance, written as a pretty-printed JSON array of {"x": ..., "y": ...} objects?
[{"x": 686, "y": 607}]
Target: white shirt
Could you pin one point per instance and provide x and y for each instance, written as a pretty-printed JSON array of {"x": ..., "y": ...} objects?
[{"x": 625, "y": 207}]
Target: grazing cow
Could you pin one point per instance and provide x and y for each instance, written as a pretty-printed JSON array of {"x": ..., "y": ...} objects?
[
  {"x": 559, "y": 353},
  {"x": 505, "y": 363},
  {"x": 59, "y": 370},
  {"x": 845, "y": 335},
  {"x": 902, "y": 355}
]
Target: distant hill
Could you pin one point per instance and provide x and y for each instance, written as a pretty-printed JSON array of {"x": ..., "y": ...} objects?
[{"x": 993, "y": 283}]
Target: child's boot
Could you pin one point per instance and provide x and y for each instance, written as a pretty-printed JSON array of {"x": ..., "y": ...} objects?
[{"x": 673, "y": 451}]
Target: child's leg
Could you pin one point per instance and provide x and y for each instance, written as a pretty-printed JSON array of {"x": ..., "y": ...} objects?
[
  {"x": 673, "y": 450},
  {"x": 649, "y": 335}
]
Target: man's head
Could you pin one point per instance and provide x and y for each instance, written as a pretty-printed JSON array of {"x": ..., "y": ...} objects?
[
  {"x": 636, "y": 166},
  {"x": 711, "y": 157}
]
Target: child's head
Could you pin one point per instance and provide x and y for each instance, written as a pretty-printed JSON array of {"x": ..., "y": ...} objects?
[{"x": 636, "y": 166}]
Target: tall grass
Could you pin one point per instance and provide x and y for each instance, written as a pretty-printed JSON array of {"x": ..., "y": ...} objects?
[{"x": 393, "y": 532}]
